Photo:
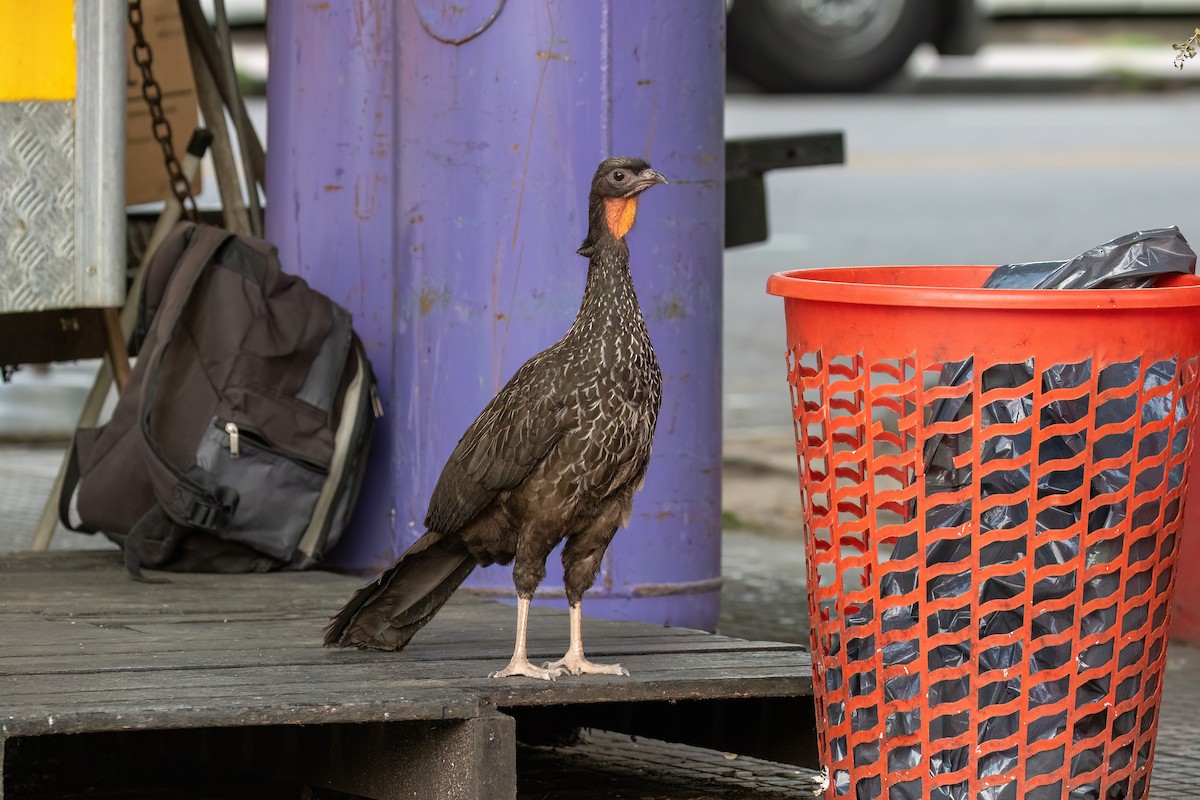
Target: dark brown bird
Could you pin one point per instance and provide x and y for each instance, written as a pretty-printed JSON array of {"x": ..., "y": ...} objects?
[{"x": 557, "y": 454}]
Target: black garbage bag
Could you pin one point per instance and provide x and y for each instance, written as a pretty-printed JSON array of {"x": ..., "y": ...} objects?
[{"x": 1136, "y": 260}]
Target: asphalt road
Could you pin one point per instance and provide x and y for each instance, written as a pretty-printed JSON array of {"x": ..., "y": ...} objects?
[{"x": 945, "y": 179}]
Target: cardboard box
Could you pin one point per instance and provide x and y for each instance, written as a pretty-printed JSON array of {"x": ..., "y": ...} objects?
[{"x": 146, "y": 179}]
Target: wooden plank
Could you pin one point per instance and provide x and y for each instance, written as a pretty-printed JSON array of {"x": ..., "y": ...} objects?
[
  {"x": 94, "y": 588},
  {"x": 484, "y": 631},
  {"x": 481, "y": 627},
  {"x": 89, "y": 583},
  {"x": 390, "y": 762},
  {"x": 84, "y": 649},
  {"x": 35, "y": 644},
  {"x": 114, "y": 347},
  {"x": 324, "y": 681},
  {"x": 167, "y": 715},
  {"x": 451, "y": 633},
  {"x": 224, "y": 658},
  {"x": 306, "y": 594},
  {"x": 72, "y": 702},
  {"x": 488, "y": 618},
  {"x": 468, "y": 759},
  {"x": 42, "y": 337},
  {"x": 173, "y": 712}
]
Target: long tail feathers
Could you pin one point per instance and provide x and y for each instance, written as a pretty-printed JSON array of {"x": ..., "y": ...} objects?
[{"x": 386, "y": 613}]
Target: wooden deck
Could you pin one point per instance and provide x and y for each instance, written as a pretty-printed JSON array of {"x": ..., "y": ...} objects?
[{"x": 227, "y": 673}]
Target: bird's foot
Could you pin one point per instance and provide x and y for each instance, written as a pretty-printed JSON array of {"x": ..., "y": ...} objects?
[
  {"x": 521, "y": 666},
  {"x": 576, "y": 664}
]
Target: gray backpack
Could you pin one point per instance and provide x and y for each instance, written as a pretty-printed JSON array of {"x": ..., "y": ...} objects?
[{"x": 240, "y": 441}]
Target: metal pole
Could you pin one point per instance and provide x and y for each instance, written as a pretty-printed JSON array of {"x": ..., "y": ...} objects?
[{"x": 430, "y": 170}]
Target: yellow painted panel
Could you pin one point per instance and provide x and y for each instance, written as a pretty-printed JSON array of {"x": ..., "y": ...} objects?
[{"x": 37, "y": 50}]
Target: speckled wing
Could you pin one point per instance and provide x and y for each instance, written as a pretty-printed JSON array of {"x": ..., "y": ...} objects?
[{"x": 512, "y": 435}]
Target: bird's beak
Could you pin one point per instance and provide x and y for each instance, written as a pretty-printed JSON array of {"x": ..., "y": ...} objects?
[{"x": 645, "y": 179}]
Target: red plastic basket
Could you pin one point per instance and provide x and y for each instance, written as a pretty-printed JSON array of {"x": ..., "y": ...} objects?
[{"x": 977, "y": 660}]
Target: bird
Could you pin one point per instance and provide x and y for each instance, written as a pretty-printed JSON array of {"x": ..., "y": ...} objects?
[{"x": 556, "y": 455}]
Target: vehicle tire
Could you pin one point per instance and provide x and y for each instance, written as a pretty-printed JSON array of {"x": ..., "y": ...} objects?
[{"x": 825, "y": 45}]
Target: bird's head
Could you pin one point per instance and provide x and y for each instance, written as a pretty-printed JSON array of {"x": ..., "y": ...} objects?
[{"x": 612, "y": 204}]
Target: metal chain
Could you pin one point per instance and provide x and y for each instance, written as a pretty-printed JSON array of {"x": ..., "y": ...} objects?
[{"x": 161, "y": 127}]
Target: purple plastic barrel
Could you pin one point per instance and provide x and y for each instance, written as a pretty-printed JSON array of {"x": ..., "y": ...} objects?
[{"x": 429, "y": 166}]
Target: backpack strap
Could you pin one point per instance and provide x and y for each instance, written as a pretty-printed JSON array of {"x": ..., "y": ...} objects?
[
  {"x": 151, "y": 542},
  {"x": 183, "y": 499},
  {"x": 70, "y": 481}
]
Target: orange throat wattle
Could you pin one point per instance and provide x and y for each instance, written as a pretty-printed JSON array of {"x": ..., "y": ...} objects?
[{"x": 619, "y": 213}]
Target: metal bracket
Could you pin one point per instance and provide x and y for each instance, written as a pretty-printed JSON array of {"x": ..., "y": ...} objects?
[{"x": 747, "y": 160}]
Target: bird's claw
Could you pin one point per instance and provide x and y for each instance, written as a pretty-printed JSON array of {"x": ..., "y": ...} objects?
[
  {"x": 523, "y": 667},
  {"x": 578, "y": 665}
]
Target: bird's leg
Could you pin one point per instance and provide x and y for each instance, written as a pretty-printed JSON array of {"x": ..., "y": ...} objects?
[
  {"x": 519, "y": 665},
  {"x": 574, "y": 662}
]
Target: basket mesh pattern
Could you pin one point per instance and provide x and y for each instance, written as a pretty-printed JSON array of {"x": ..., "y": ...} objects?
[{"x": 990, "y": 551}]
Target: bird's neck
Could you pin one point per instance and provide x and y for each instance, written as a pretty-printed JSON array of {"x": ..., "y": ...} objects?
[
  {"x": 609, "y": 219},
  {"x": 609, "y": 295}
]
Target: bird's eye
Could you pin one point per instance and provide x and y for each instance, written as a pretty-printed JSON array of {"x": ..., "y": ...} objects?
[{"x": 618, "y": 176}]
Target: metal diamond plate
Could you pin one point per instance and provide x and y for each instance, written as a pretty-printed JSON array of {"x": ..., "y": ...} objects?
[
  {"x": 62, "y": 179},
  {"x": 37, "y": 206}
]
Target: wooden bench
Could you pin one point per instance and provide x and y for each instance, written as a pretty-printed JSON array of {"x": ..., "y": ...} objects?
[{"x": 223, "y": 677}]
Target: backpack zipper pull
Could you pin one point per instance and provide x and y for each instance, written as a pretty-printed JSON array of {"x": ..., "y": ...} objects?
[
  {"x": 234, "y": 439},
  {"x": 376, "y": 403}
]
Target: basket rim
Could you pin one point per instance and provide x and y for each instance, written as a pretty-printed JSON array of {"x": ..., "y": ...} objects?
[{"x": 833, "y": 285}]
